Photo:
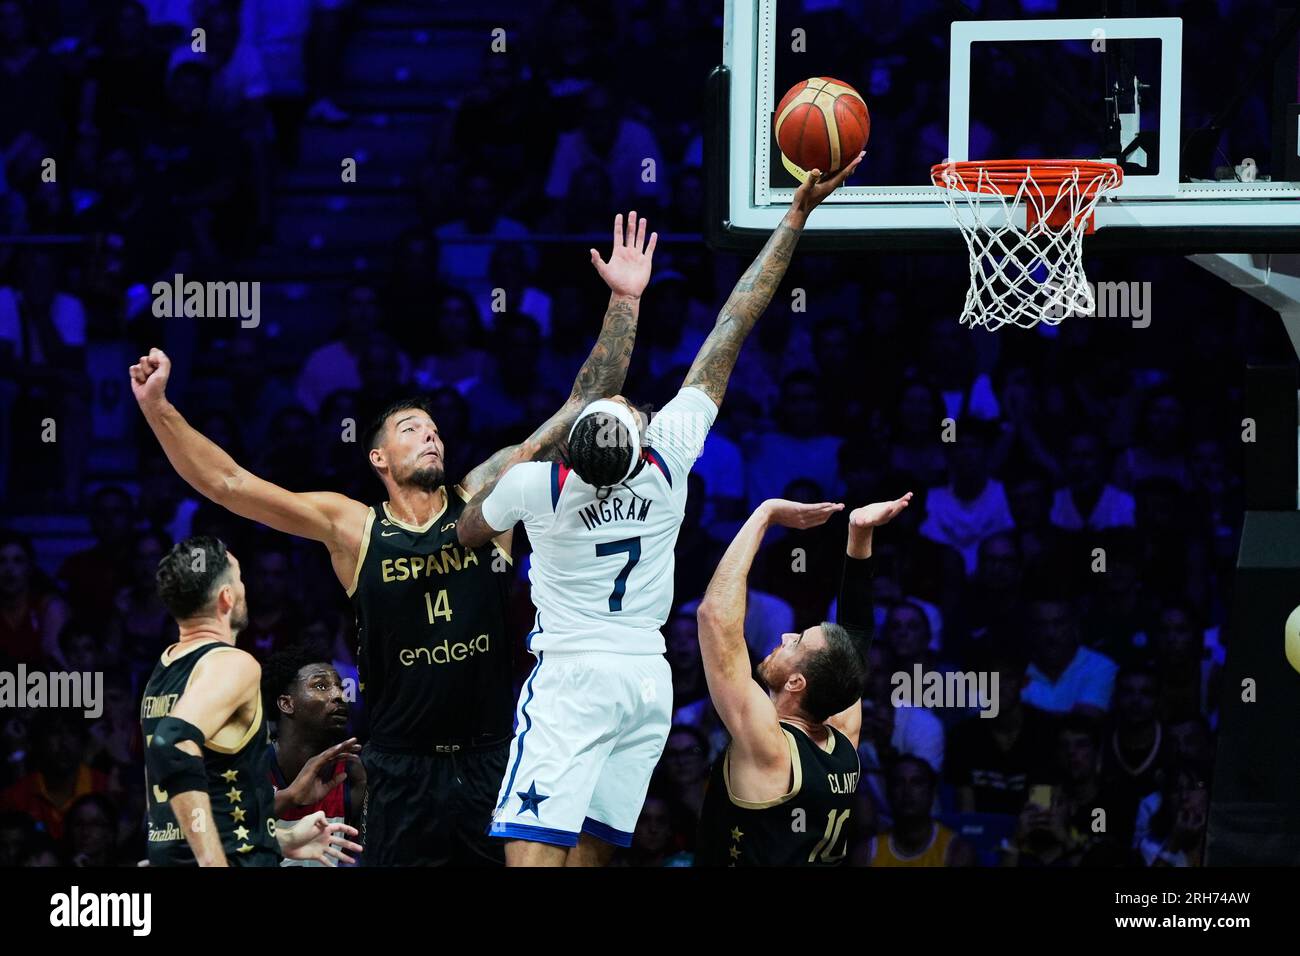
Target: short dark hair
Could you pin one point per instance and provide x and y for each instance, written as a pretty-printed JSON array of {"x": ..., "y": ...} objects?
[
  {"x": 282, "y": 668},
  {"x": 897, "y": 763},
  {"x": 375, "y": 430},
  {"x": 600, "y": 450},
  {"x": 836, "y": 675},
  {"x": 189, "y": 573}
]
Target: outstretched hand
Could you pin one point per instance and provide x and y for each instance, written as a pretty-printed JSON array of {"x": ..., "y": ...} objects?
[
  {"x": 795, "y": 514},
  {"x": 317, "y": 777},
  {"x": 878, "y": 513},
  {"x": 628, "y": 270},
  {"x": 814, "y": 189},
  {"x": 315, "y": 838}
]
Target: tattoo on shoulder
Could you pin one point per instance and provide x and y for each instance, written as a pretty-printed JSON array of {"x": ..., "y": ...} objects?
[{"x": 491, "y": 469}]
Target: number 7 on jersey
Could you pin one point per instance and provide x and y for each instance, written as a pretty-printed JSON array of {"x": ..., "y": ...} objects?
[{"x": 632, "y": 548}]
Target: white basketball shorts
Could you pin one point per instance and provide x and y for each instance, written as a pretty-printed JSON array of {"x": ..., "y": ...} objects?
[{"x": 590, "y": 729}]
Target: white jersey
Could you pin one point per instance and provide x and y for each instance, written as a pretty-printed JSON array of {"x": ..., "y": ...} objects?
[{"x": 602, "y": 569}]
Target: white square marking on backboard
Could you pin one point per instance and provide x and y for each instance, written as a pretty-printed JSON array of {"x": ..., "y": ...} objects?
[{"x": 1168, "y": 30}]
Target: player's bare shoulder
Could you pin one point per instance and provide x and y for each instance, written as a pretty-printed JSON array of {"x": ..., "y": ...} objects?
[
  {"x": 349, "y": 523},
  {"x": 227, "y": 664}
]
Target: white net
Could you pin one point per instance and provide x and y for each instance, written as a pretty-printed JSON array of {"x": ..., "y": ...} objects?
[{"x": 1023, "y": 276}]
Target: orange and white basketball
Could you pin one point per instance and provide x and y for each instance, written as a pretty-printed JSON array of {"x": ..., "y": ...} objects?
[{"x": 821, "y": 123}]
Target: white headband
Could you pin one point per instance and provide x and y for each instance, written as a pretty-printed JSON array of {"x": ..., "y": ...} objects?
[{"x": 623, "y": 414}]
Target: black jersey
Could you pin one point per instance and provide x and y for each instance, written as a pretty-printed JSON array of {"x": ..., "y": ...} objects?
[
  {"x": 239, "y": 785},
  {"x": 806, "y": 827},
  {"x": 432, "y": 649}
]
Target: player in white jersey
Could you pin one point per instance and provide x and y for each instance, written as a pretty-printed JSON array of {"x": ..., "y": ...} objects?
[{"x": 595, "y": 712}]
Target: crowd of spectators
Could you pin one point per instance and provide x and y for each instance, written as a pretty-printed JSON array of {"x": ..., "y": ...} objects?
[{"x": 1078, "y": 491}]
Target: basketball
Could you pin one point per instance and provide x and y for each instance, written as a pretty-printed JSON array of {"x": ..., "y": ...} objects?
[{"x": 822, "y": 124}]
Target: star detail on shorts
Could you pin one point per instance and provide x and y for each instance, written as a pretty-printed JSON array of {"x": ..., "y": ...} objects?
[
  {"x": 235, "y": 795},
  {"x": 530, "y": 799},
  {"x": 736, "y": 834},
  {"x": 230, "y": 775},
  {"x": 238, "y": 814},
  {"x": 735, "y": 853},
  {"x": 242, "y": 833}
]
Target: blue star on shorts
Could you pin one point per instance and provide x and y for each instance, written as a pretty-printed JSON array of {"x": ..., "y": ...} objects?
[{"x": 530, "y": 799}]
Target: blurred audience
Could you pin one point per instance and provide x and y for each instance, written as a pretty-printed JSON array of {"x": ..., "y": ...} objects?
[{"x": 1079, "y": 499}]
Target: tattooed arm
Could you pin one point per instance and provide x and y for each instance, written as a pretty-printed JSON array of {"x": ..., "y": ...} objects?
[
  {"x": 601, "y": 376},
  {"x": 717, "y": 356}
]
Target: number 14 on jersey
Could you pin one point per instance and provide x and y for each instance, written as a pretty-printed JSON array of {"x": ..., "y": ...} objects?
[{"x": 441, "y": 607}]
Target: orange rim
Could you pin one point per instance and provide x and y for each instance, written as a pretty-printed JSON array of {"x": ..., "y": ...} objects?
[{"x": 1007, "y": 175}]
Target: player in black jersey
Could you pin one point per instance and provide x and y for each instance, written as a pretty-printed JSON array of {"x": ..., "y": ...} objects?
[
  {"x": 781, "y": 792},
  {"x": 210, "y": 799},
  {"x": 435, "y": 667}
]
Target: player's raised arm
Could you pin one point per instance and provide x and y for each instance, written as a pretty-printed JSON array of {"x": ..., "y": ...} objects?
[
  {"x": 317, "y": 778},
  {"x": 854, "y": 610},
  {"x": 626, "y": 273},
  {"x": 221, "y": 683},
  {"x": 324, "y": 516},
  {"x": 748, "y": 300},
  {"x": 744, "y": 706}
]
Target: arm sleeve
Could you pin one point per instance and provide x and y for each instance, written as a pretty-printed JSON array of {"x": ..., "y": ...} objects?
[
  {"x": 678, "y": 432},
  {"x": 515, "y": 498},
  {"x": 854, "y": 605},
  {"x": 853, "y": 608}
]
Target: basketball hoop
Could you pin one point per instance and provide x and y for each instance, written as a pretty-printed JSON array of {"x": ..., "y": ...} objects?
[{"x": 1023, "y": 276}]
